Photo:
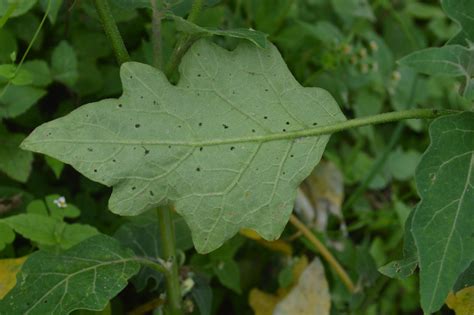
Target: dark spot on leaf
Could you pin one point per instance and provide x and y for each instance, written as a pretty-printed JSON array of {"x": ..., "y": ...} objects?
[
  {"x": 200, "y": 124},
  {"x": 233, "y": 92},
  {"x": 95, "y": 171},
  {"x": 199, "y": 75},
  {"x": 154, "y": 102},
  {"x": 45, "y": 301},
  {"x": 198, "y": 94},
  {"x": 292, "y": 155},
  {"x": 287, "y": 122},
  {"x": 131, "y": 77},
  {"x": 133, "y": 188},
  {"x": 49, "y": 134},
  {"x": 179, "y": 126},
  {"x": 315, "y": 124},
  {"x": 120, "y": 105},
  {"x": 147, "y": 151},
  {"x": 266, "y": 90},
  {"x": 284, "y": 173},
  {"x": 232, "y": 148},
  {"x": 198, "y": 169},
  {"x": 114, "y": 160},
  {"x": 265, "y": 117},
  {"x": 284, "y": 130},
  {"x": 151, "y": 193},
  {"x": 141, "y": 96},
  {"x": 200, "y": 149},
  {"x": 198, "y": 54},
  {"x": 137, "y": 125},
  {"x": 169, "y": 147},
  {"x": 253, "y": 130},
  {"x": 225, "y": 126},
  {"x": 90, "y": 149}
]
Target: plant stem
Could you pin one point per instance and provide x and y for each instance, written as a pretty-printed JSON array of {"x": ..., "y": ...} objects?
[
  {"x": 195, "y": 10},
  {"x": 156, "y": 36},
  {"x": 184, "y": 41},
  {"x": 324, "y": 252},
  {"x": 173, "y": 292},
  {"x": 111, "y": 30},
  {"x": 380, "y": 162}
]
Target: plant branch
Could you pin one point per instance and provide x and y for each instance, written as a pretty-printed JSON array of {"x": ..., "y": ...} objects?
[
  {"x": 156, "y": 36},
  {"x": 380, "y": 162},
  {"x": 111, "y": 30},
  {"x": 324, "y": 252},
  {"x": 167, "y": 234},
  {"x": 184, "y": 41}
]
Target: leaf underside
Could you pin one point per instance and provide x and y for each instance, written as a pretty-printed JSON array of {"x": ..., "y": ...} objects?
[
  {"x": 443, "y": 221},
  {"x": 221, "y": 146}
]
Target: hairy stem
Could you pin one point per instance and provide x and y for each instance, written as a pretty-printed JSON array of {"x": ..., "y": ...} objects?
[
  {"x": 111, "y": 30},
  {"x": 173, "y": 292},
  {"x": 324, "y": 252},
  {"x": 156, "y": 36}
]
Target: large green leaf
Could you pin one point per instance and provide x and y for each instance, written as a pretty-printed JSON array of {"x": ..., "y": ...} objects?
[
  {"x": 461, "y": 11},
  {"x": 224, "y": 145},
  {"x": 443, "y": 221},
  {"x": 86, "y": 276}
]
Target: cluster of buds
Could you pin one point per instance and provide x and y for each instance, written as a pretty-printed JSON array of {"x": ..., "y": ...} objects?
[{"x": 360, "y": 56}]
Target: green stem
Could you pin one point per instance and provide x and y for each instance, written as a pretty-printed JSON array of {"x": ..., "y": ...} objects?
[
  {"x": 167, "y": 234},
  {"x": 195, "y": 10},
  {"x": 184, "y": 41},
  {"x": 111, "y": 30},
  {"x": 156, "y": 36},
  {"x": 383, "y": 158}
]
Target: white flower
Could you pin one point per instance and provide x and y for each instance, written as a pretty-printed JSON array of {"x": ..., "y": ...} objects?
[{"x": 60, "y": 202}]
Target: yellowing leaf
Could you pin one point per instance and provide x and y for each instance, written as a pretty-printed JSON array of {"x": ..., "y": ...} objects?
[
  {"x": 310, "y": 296},
  {"x": 262, "y": 303},
  {"x": 8, "y": 270},
  {"x": 462, "y": 302},
  {"x": 277, "y": 246}
]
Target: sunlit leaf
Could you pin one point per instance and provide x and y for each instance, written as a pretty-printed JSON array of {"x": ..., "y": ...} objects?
[{"x": 224, "y": 145}]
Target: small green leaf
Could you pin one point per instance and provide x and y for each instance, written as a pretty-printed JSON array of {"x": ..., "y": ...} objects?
[
  {"x": 8, "y": 45},
  {"x": 256, "y": 37},
  {"x": 64, "y": 64},
  {"x": 47, "y": 231},
  {"x": 55, "y": 5},
  {"x": 55, "y": 165},
  {"x": 86, "y": 276},
  {"x": 406, "y": 266},
  {"x": 461, "y": 11},
  {"x": 353, "y": 9},
  {"x": 15, "y": 100},
  {"x": 14, "y": 162},
  {"x": 224, "y": 145},
  {"x": 202, "y": 295},
  {"x": 228, "y": 273},
  {"x": 21, "y": 6},
  {"x": 39, "y": 71},
  {"x": 7, "y": 236},
  {"x": 443, "y": 221}
]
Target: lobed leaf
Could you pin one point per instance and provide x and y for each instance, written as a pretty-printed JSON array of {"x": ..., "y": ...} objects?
[
  {"x": 442, "y": 222},
  {"x": 224, "y": 145}
]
